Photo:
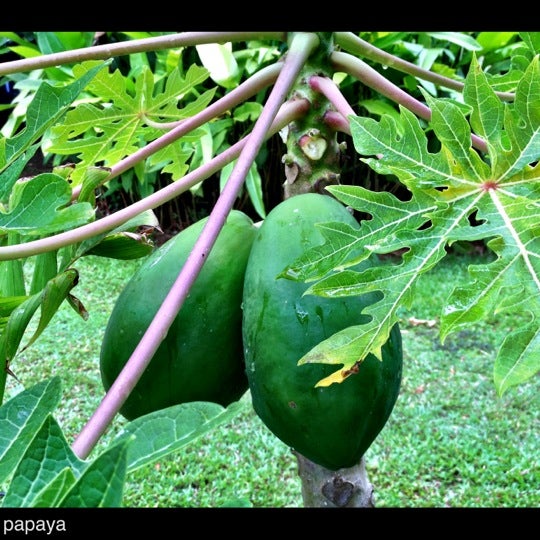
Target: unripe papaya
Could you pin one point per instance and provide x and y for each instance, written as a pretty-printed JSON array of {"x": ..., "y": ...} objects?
[
  {"x": 332, "y": 426},
  {"x": 201, "y": 358}
]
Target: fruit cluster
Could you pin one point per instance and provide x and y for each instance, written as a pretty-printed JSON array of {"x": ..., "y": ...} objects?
[{"x": 242, "y": 328}]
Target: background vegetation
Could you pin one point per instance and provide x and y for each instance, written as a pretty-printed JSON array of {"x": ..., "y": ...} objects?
[{"x": 451, "y": 441}]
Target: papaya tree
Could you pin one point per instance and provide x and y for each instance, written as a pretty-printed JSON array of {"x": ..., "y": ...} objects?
[{"x": 461, "y": 146}]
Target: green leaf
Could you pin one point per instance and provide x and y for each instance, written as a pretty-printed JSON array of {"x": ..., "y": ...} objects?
[
  {"x": 127, "y": 115},
  {"x": 253, "y": 184},
  {"x": 124, "y": 246},
  {"x": 45, "y": 458},
  {"x": 532, "y": 39},
  {"x": 247, "y": 112},
  {"x": 464, "y": 41},
  {"x": 40, "y": 206},
  {"x": 13, "y": 171},
  {"x": 9, "y": 303},
  {"x": 457, "y": 194},
  {"x": 53, "y": 42},
  {"x": 173, "y": 159},
  {"x": 49, "y": 299},
  {"x": 51, "y": 495},
  {"x": 378, "y": 107},
  {"x": 517, "y": 360},
  {"x": 512, "y": 133},
  {"x": 21, "y": 417},
  {"x": 48, "y": 105},
  {"x": 163, "y": 432},
  {"x": 134, "y": 245},
  {"x": 494, "y": 40},
  {"x": 346, "y": 246},
  {"x": 92, "y": 178},
  {"x": 102, "y": 482}
]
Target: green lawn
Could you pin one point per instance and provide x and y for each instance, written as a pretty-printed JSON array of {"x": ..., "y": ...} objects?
[{"x": 450, "y": 442}]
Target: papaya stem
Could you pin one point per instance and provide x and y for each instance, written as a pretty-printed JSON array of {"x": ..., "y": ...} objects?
[
  {"x": 372, "y": 78},
  {"x": 356, "y": 45},
  {"x": 103, "y": 52}
]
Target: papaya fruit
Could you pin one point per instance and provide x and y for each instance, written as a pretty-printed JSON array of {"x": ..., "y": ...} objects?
[
  {"x": 201, "y": 358},
  {"x": 332, "y": 426}
]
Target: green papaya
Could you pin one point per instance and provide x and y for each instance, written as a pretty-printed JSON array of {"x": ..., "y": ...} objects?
[
  {"x": 201, "y": 358},
  {"x": 332, "y": 426}
]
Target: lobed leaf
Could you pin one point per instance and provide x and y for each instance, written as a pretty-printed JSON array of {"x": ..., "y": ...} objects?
[
  {"x": 49, "y": 104},
  {"x": 128, "y": 115},
  {"x": 457, "y": 194},
  {"x": 346, "y": 246}
]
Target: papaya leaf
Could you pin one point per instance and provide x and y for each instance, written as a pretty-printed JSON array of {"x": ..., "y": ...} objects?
[
  {"x": 127, "y": 116},
  {"x": 174, "y": 158},
  {"x": 40, "y": 206},
  {"x": 92, "y": 178},
  {"x": 47, "y": 456},
  {"x": 101, "y": 483},
  {"x": 162, "y": 432},
  {"x": 49, "y": 104},
  {"x": 346, "y": 246},
  {"x": 532, "y": 39},
  {"x": 13, "y": 171},
  {"x": 457, "y": 194},
  {"x": 519, "y": 351},
  {"x": 21, "y": 417}
]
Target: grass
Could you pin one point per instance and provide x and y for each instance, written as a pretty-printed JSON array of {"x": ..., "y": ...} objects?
[{"x": 450, "y": 441}]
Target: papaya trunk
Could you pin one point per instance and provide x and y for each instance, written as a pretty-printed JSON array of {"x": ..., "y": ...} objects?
[{"x": 344, "y": 488}]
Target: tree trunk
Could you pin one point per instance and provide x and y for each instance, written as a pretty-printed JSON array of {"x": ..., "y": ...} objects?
[{"x": 344, "y": 488}]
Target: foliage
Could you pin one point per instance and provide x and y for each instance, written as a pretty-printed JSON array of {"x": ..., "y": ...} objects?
[
  {"x": 455, "y": 196},
  {"x": 454, "y": 124},
  {"x": 44, "y": 471},
  {"x": 142, "y": 96}
]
